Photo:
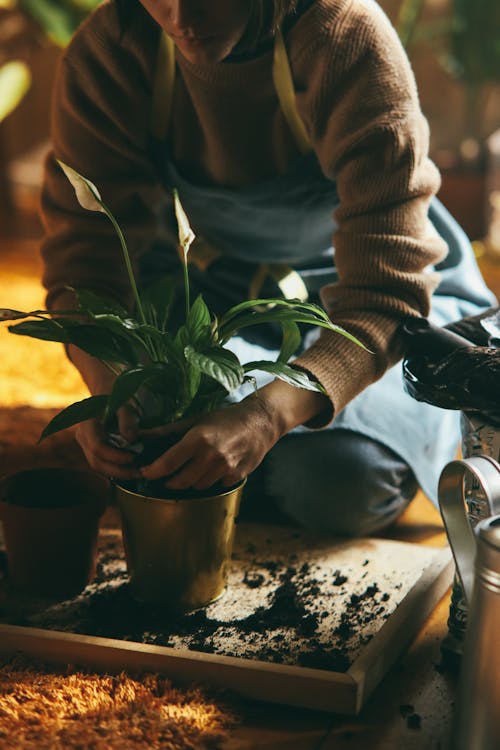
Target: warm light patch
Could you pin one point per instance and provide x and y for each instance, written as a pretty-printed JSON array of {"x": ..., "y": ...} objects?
[{"x": 35, "y": 373}]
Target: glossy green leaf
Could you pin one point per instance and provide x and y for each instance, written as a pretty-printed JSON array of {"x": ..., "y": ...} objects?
[
  {"x": 290, "y": 375},
  {"x": 93, "y": 407},
  {"x": 205, "y": 400},
  {"x": 157, "y": 300},
  {"x": 128, "y": 383},
  {"x": 101, "y": 343},
  {"x": 290, "y": 341},
  {"x": 98, "y": 304},
  {"x": 277, "y": 315},
  {"x": 270, "y": 303},
  {"x": 192, "y": 380},
  {"x": 46, "y": 330},
  {"x": 220, "y": 364},
  {"x": 199, "y": 323},
  {"x": 7, "y": 314}
]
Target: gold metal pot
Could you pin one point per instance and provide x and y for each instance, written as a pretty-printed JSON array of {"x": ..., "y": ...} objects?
[{"x": 178, "y": 551}]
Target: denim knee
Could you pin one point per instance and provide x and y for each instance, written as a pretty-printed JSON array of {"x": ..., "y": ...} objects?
[{"x": 338, "y": 482}]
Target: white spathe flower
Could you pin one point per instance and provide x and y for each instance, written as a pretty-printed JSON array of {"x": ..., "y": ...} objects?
[
  {"x": 186, "y": 234},
  {"x": 87, "y": 194}
]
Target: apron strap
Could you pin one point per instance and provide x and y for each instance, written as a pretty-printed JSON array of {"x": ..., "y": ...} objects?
[
  {"x": 163, "y": 90},
  {"x": 289, "y": 281},
  {"x": 283, "y": 83}
]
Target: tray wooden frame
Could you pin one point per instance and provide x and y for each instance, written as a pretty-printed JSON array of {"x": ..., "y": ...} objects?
[{"x": 317, "y": 689}]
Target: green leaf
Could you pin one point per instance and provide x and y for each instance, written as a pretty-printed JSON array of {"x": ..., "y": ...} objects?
[
  {"x": 127, "y": 384},
  {"x": 135, "y": 333},
  {"x": 199, "y": 323},
  {"x": 192, "y": 379},
  {"x": 290, "y": 341},
  {"x": 220, "y": 364},
  {"x": 15, "y": 80},
  {"x": 100, "y": 342},
  {"x": 206, "y": 400},
  {"x": 276, "y": 315},
  {"x": 46, "y": 330},
  {"x": 90, "y": 408},
  {"x": 97, "y": 304},
  {"x": 58, "y": 20},
  {"x": 290, "y": 375},
  {"x": 294, "y": 304},
  {"x": 280, "y": 315},
  {"x": 157, "y": 301},
  {"x": 7, "y": 314},
  {"x": 182, "y": 338},
  {"x": 87, "y": 194}
]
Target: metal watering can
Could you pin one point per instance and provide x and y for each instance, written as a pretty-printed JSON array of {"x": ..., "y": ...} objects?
[{"x": 477, "y": 558}]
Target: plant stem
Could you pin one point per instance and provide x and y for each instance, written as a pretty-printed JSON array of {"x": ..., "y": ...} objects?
[
  {"x": 128, "y": 265},
  {"x": 186, "y": 281}
]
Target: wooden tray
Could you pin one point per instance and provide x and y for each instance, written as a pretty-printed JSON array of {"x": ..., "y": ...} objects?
[{"x": 305, "y": 620}]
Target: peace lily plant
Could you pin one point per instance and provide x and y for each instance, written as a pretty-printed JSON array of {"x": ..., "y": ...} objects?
[{"x": 185, "y": 372}]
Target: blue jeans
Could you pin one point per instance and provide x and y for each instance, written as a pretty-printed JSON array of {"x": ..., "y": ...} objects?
[{"x": 334, "y": 481}]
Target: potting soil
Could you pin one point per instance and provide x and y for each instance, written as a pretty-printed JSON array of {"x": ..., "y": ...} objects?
[{"x": 292, "y": 598}]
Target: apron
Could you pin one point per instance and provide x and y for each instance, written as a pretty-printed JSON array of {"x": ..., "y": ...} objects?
[{"x": 265, "y": 230}]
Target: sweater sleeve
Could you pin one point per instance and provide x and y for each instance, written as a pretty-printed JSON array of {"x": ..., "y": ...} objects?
[
  {"x": 371, "y": 137},
  {"x": 100, "y": 121}
]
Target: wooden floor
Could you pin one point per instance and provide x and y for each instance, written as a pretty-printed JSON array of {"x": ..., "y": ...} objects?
[{"x": 413, "y": 705}]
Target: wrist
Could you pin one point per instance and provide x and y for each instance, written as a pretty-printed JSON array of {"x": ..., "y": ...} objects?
[{"x": 288, "y": 407}]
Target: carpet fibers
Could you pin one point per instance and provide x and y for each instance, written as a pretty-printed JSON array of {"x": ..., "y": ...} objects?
[{"x": 73, "y": 709}]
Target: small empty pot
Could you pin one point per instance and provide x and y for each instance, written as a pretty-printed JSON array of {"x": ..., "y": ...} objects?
[{"x": 50, "y": 520}]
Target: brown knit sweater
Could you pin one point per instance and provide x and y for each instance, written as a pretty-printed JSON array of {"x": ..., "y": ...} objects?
[{"x": 357, "y": 97}]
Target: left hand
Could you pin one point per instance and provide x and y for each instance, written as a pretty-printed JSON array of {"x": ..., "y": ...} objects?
[{"x": 223, "y": 446}]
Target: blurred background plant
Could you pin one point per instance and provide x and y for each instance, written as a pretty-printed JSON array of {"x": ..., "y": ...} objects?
[
  {"x": 466, "y": 43},
  {"x": 32, "y": 33},
  {"x": 56, "y": 19},
  {"x": 454, "y": 46}
]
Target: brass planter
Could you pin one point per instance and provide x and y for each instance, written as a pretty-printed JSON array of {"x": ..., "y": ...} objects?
[{"x": 178, "y": 551}]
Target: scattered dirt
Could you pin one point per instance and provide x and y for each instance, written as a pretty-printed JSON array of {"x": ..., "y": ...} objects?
[{"x": 285, "y": 603}]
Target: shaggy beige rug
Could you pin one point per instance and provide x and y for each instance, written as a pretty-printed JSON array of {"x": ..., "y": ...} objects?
[{"x": 51, "y": 710}]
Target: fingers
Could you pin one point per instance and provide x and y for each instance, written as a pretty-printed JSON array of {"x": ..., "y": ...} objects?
[
  {"x": 171, "y": 461},
  {"x": 101, "y": 456},
  {"x": 128, "y": 422},
  {"x": 224, "y": 446},
  {"x": 182, "y": 426},
  {"x": 199, "y": 460}
]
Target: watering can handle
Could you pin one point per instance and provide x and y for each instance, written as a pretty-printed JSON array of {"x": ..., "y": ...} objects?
[{"x": 455, "y": 513}]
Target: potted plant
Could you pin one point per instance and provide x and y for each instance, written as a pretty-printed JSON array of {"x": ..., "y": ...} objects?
[{"x": 177, "y": 547}]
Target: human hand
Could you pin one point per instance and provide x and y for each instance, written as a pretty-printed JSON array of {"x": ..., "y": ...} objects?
[
  {"x": 223, "y": 446},
  {"x": 101, "y": 454},
  {"x": 113, "y": 461}
]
